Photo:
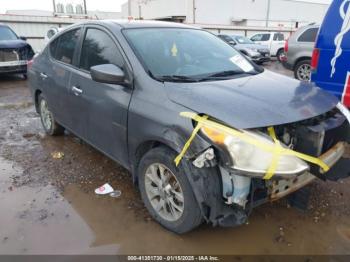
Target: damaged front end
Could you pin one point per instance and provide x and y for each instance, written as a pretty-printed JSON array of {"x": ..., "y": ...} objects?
[{"x": 243, "y": 166}]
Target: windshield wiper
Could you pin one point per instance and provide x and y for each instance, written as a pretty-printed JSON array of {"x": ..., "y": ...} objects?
[
  {"x": 177, "y": 78},
  {"x": 228, "y": 73}
]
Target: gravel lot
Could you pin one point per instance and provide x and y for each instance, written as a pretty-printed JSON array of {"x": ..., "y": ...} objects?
[{"x": 49, "y": 206}]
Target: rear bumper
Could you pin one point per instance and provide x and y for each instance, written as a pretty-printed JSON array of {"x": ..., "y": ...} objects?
[{"x": 287, "y": 65}]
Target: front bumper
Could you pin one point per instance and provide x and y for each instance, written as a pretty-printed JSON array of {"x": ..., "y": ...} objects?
[
  {"x": 281, "y": 188},
  {"x": 13, "y": 67},
  {"x": 261, "y": 59}
]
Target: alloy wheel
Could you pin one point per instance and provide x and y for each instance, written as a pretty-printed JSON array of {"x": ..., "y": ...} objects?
[
  {"x": 45, "y": 115},
  {"x": 164, "y": 192},
  {"x": 304, "y": 72}
]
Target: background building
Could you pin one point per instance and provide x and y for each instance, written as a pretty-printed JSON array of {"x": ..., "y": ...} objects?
[
  {"x": 34, "y": 24},
  {"x": 244, "y": 17},
  {"x": 230, "y": 15}
]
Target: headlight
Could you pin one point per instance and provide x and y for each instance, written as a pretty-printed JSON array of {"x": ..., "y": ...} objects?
[
  {"x": 253, "y": 52},
  {"x": 251, "y": 159}
]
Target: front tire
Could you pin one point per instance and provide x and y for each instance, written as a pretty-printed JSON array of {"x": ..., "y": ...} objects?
[
  {"x": 166, "y": 191},
  {"x": 302, "y": 70},
  {"x": 48, "y": 121}
]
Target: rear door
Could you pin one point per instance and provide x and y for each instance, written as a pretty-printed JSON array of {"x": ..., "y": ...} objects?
[
  {"x": 103, "y": 107},
  {"x": 277, "y": 43},
  {"x": 55, "y": 73}
]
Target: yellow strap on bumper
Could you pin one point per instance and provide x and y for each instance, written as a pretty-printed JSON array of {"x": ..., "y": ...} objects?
[{"x": 277, "y": 150}]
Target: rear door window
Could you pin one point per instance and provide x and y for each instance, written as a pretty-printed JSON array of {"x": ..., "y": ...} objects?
[
  {"x": 98, "y": 49},
  {"x": 62, "y": 49},
  {"x": 261, "y": 37},
  {"x": 278, "y": 37},
  {"x": 308, "y": 35}
]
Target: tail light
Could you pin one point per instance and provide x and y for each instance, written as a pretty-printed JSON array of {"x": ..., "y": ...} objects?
[
  {"x": 30, "y": 63},
  {"x": 286, "y": 46},
  {"x": 315, "y": 58}
]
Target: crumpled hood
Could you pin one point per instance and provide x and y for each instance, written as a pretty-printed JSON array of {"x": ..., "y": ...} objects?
[
  {"x": 266, "y": 99},
  {"x": 13, "y": 43}
]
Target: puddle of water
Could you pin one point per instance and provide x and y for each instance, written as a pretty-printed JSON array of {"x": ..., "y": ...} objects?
[
  {"x": 38, "y": 220},
  {"x": 112, "y": 222}
]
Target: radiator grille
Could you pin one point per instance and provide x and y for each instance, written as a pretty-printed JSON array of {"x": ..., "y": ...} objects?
[{"x": 8, "y": 55}]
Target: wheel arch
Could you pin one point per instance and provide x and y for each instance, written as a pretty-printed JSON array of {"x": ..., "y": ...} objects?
[
  {"x": 301, "y": 59},
  {"x": 143, "y": 148},
  {"x": 279, "y": 49}
]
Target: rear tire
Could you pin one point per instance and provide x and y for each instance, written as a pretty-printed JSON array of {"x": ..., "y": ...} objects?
[
  {"x": 302, "y": 70},
  {"x": 280, "y": 54},
  {"x": 170, "y": 201},
  {"x": 48, "y": 121}
]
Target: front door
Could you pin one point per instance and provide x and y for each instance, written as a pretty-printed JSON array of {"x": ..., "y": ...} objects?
[{"x": 104, "y": 106}]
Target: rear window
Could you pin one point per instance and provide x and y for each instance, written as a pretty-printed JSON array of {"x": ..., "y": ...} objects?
[
  {"x": 261, "y": 37},
  {"x": 309, "y": 35},
  {"x": 62, "y": 49}
]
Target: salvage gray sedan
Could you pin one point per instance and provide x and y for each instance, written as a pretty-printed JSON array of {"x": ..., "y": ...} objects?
[{"x": 121, "y": 87}]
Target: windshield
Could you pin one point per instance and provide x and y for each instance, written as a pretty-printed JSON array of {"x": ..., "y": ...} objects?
[
  {"x": 175, "y": 54},
  {"x": 243, "y": 40},
  {"x": 7, "y": 34}
]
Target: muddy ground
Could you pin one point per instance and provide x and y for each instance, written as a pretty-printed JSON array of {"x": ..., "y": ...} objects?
[{"x": 48, "y": 205}]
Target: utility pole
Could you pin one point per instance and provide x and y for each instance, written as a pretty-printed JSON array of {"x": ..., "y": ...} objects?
[
  {"x": 194, "y": 11},
  {"x": 54, "y": 6},
  {"x": 268, "y": 12},
  {"x": 129, "y": 8},
  {"x": 85, "y": 7}
]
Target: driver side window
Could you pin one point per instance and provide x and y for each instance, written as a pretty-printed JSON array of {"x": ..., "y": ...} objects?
[{"x": 98, "y": 49}]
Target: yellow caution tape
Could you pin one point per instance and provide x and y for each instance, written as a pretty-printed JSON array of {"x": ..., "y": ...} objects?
[{"x": 277, "y": 150}]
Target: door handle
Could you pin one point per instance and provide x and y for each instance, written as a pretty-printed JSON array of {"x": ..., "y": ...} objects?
[
  {"x": 43, "y": 75},
  {"x": 76, "y": 91}
]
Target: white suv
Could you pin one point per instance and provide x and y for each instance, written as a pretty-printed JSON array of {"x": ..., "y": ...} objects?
[{"x": 273, "y": 40}]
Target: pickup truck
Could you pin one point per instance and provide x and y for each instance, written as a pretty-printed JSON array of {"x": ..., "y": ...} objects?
[{"x": 273, "y": 40}]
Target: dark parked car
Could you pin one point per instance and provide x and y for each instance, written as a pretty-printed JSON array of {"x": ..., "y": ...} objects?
[
  {"x": 256, "y": 52},
  {"x": 121, "y": 87},
  {"x": 15, "y": 52}
]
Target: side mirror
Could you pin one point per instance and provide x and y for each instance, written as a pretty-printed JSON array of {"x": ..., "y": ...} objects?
[
  {"x": 232, "y": 42},
  {"x": 108, "y": 73},
  {"x": 23, "y": 38}
]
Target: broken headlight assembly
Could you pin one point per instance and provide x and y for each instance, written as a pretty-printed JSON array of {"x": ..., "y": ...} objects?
[{"x": 250, "y": 159}]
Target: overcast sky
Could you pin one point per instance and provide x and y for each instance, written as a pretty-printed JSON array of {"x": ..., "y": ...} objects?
[{"x": 102, "y": 5}]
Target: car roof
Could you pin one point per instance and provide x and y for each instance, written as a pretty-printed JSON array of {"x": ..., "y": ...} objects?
[{"x": 142, "y": 24}]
